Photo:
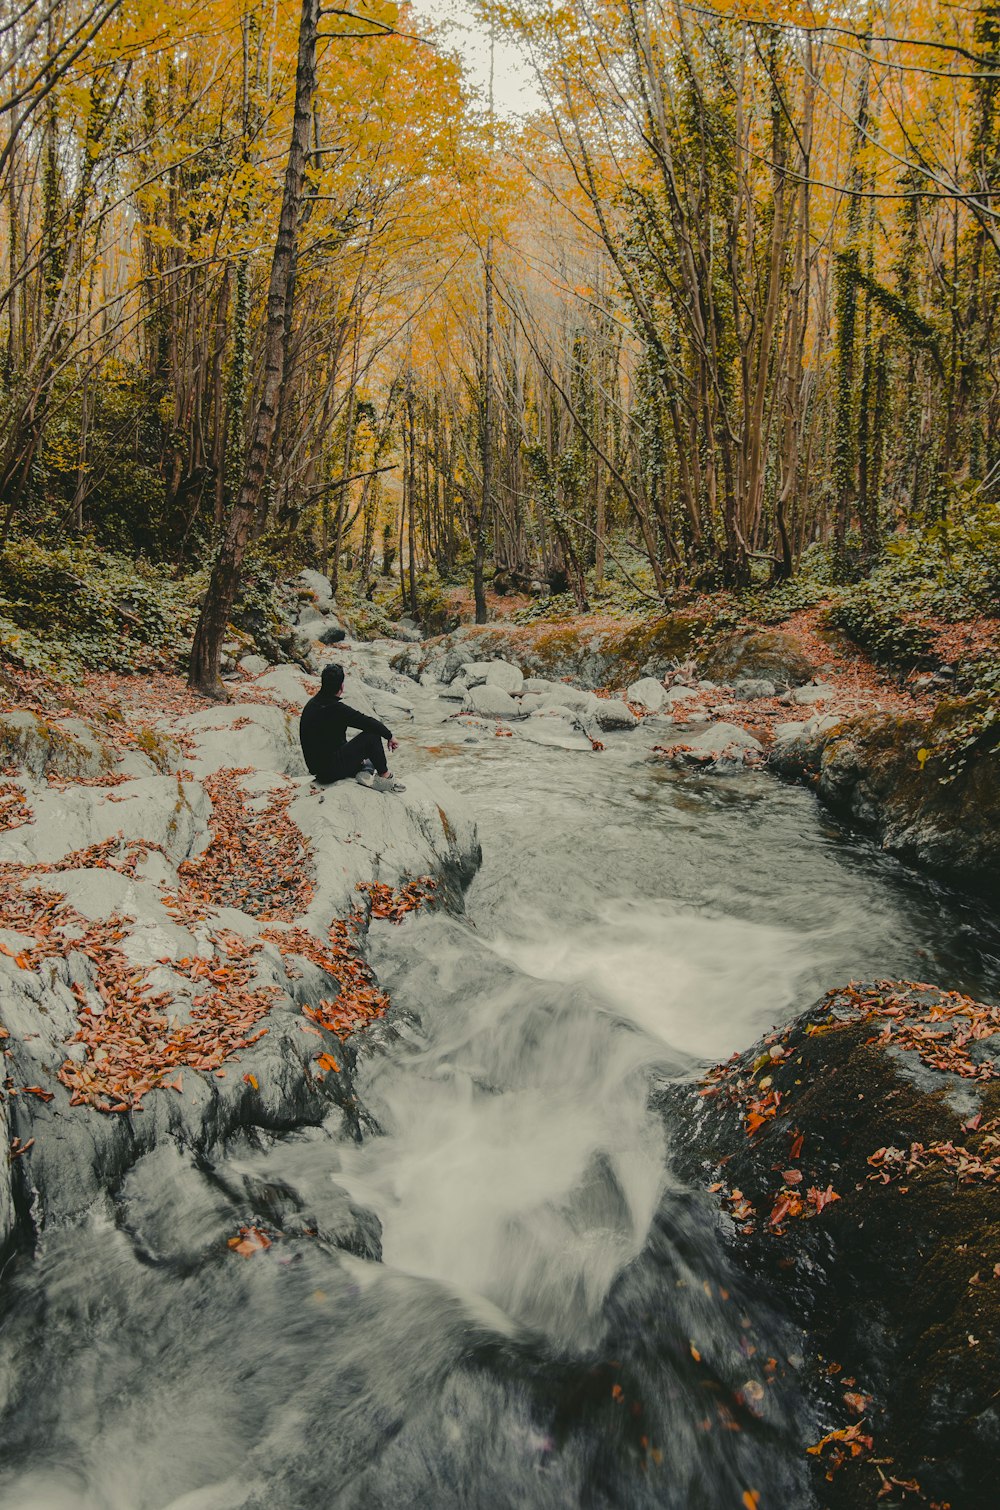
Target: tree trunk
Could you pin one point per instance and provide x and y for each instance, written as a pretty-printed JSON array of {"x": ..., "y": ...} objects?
[
  {"x": 206, "y": 650},
  {"x": 479, "y": 559}
]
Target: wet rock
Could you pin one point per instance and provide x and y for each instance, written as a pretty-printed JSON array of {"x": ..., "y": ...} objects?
[
  {"x": 936, "y": 809},
  {"x": 760, "y": 654},
  {"x": 490, "y": 702},
  {"x": 851, "y": 1163},
  {"x": 721, "y": 745},
  {"x": 554, "y": 727},
  {"x": 332, "y": 634},
  {"x": 610, "y": 714}
]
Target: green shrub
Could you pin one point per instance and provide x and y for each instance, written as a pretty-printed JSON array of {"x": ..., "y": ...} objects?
[
  {"x": 74, "y": 606},
  {"x": 880, "y": 628}
]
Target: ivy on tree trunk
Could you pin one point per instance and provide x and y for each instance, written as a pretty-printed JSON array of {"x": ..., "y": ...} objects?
[{"x": 250, "y": 504}]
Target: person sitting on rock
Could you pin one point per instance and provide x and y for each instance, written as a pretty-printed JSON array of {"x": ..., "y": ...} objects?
[{"x": 329, "y": 755}]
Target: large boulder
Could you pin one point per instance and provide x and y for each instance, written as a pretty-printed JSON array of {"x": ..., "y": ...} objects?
[
  {"x": 648, "y": 693},
  {"x": 929, "y": 786},
  {"x": 474, "y": 673},
  {"x": 611, "y": 714},
  {"x": 69, "y": 748},
  {"x": 177, "y": 945},
  {"x": 852, "y": 1159},
  {"x": 760, "y": 654},
  {"x": 320, "y": 587},
  {"x": 504, "y": 674},
  {"x": 490, "y": 702}
]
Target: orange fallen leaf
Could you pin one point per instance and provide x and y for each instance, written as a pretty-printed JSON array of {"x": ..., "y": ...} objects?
[
  {"x": 249, "y": 1241},
  {"x": 327, "y": 1062},
  {"x": 252, "y": 1080},
  {"x": 751, "y": 1499}
]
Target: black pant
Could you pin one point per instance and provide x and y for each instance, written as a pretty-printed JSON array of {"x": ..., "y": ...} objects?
[{"x": 350, "y": 757}]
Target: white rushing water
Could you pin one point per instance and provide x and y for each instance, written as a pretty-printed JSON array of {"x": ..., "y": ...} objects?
[{"x": 628, "y": 926}]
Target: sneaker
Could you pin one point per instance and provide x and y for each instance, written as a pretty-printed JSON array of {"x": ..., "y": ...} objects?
[
  {"x": 388, "y": 783},
  {"x": 364, "y": 778}
]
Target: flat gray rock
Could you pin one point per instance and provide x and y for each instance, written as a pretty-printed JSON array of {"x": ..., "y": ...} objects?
[{"x": 812, "y": 692}]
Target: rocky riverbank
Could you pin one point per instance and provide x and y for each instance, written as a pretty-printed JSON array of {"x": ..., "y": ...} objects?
[
  {"x": 854, "y": 1162},
  {"x": 920, "y": 771},
  {"x": 182, "y": 925}
]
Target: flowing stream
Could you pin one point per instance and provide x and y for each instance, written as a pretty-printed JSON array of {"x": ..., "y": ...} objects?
[{"x": 553, "y": 1322}]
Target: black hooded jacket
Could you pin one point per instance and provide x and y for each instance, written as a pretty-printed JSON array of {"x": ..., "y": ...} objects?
[{"x": 323, "y": 729}]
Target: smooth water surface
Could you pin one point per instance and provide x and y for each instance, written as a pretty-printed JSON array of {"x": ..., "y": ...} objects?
[{"x": 552, "y": 1322}]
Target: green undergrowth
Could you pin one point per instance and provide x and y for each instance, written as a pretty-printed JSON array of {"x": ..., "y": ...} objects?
[{"x": 70, "y": 607}]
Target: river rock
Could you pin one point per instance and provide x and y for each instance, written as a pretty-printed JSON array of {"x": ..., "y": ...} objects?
[
  {"x": 748, "y": 689},
  {"x": 812, "y": 692},
  {"x": 554, "y": 728},
  {"x": 932, "y": 809},
  {"x": 454, "y": 691},
  {"x": 353, "y": 834},
  {"x": 611, "y": 714},
  {"x": 649, "y": 693},
  {"x": 475, "y": 673},
  {"x": 332, "y": 634},
  {"x": 320, "y": 587},
  {"x": 839, "y": 1153},
  {"x": 721, "y": 745},
  {"x": 252, "y": 665},
  {"x": 505, "y": 675},
  {"x": 761, "y": 654},
  {"x": 490, "y": 702}
]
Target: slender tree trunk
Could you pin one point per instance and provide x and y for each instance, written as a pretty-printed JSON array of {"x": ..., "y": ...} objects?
[
  {"x": 479, "y": 560},
  {"x": 206, "y": 650}
]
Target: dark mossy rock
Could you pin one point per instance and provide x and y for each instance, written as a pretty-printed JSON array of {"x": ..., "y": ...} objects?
[
  {"x": 767, "y": 654},
  {"x": 929, "y": 786},
  {"x": 855, "y": 1159}
]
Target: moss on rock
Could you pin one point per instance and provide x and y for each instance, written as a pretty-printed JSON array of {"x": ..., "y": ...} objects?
[
  {"x": 73, "y": 751},
  {"x": 592, "y": 652},
  {"x": 757, "y": 653},
  {"x": 897, "y": 775},
  {"x": 861, "y": 1181}
]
